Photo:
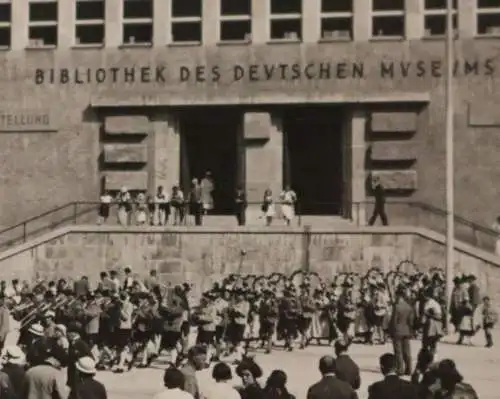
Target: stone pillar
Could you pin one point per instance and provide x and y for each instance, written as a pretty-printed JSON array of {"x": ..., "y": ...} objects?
[
  {"x": 311, "y": 28},
  {"x": 362, "y": 23},
  {"x": 113, "y": 23},
  {"x": 65, "y": 24},
  {"x": 167, "y": 151},
  {"x": 210, "y": 23},
  {"x": 356, "y": 127},
  {"x": 260, "y": 22},
  {"x": 19, "y": 27},
  {"x": 414, "y": 19},
  {"x": 467, "y": 20},
  {"x": 161, "y": 23},
  {"x": 263, "y": 142}
]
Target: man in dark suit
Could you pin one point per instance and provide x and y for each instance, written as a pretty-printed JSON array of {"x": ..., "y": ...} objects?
[
  {"x": 401, "y": 329},
  {"x": 330, "y": 386},
  {"x": 391, "y": 386},
  {"x": 345, "y": 368},
  {"x": 378, "y": 191}
]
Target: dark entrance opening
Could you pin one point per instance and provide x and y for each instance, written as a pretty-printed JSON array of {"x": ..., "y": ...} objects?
[
  {"x": 210, "y": 143},
  {"x": 313, "y": 158}
]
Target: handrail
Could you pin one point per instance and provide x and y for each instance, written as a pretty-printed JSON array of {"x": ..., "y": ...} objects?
[{"x": 415, "y": 213}]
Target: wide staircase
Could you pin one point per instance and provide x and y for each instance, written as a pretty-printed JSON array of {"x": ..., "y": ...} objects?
[{"x": 400, "y": 213}]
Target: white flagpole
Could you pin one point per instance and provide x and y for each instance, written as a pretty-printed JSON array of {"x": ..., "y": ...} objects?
[{"x": 450, "y": 208}]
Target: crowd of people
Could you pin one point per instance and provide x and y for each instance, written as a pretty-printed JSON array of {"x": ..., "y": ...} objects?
[
  {"x": 126, "y": 321},
  {"x": 174, "y": 208}
]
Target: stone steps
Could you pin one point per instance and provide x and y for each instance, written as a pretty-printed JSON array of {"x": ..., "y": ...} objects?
[{"x": 319, "y": 221}]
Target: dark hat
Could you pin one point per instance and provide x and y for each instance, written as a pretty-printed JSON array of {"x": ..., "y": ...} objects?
[
  {"x": 457, "y": 280},
  {"x": 249, "y": 364},
  {"x": 471, "y": 277}
]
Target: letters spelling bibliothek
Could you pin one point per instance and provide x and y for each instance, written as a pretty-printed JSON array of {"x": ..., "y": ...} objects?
[{"x": 264, "y": 72}]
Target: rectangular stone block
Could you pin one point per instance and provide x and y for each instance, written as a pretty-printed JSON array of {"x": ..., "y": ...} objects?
[
  {"x": 393, "y": 151},
  {"x": 484, "y": 114},
  {"x": 130, "y": 180},
  {"x": 397, "y": 179},
  {"x": 126, "y": 124},
  {"x": 393, "y": 122},
  {"x": 256, "y": 125},
  {"x": 125, "y": 153}
]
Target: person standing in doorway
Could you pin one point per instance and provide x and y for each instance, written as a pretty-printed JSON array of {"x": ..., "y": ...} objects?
[
  {"x": 195, "y": 202},
  {"x": 240, "y": 206},
  {"x": 379, "y": 208},
  {"x": 288, "y": 199},
  {"x": 207, "y": 191}
]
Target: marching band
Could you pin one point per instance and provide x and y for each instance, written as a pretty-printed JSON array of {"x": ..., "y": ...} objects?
[{"x": 130, "y": 323}]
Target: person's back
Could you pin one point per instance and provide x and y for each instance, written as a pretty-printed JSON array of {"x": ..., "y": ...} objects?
[
  {"x": 330, "y": 386},
  {"x": 391, "y": 386},
  {"x": 88, "y": 388},
  {"x": 44, "y": 382},
  {"x": 345, "y": 368}
]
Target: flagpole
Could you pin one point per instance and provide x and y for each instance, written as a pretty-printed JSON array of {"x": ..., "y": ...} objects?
[{"x": 450, "y": 206}]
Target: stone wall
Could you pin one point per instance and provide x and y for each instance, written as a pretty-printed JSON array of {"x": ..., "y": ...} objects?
[
  {"x": 205, "y": 256},
  {"x": 67, "y": 161}
]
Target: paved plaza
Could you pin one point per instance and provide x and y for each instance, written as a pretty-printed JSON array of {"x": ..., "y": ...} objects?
[{"x": 477, "y": 363}]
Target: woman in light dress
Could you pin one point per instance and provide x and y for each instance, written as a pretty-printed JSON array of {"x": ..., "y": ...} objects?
[
  {"x": 124, "y": 206},
  {"x": 268, "y": 207},
  {"x": 496, "y": 227},
  {"x": 141, "y": 213},
  {"x": 288, "y": 199},
  {"x": 207, "y": 190}
]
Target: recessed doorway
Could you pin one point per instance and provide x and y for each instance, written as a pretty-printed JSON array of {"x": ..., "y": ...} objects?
[
  {"x": 313, "y": 157},
  {"x": 210, "y": 143}
]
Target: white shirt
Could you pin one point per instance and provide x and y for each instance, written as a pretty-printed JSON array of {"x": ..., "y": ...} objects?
[
  {"x": 432, "y": 304},
  {"x": 175, "y": 393},
  {"x": 219, "y": 390}
]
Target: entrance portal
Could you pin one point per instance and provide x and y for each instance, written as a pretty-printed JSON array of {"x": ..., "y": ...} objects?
[
  {"x": 313, "y": 158},
  {"x": 209, "y": 143}
]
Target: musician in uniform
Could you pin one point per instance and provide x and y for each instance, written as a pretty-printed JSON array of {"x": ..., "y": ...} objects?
[
  {"x": 124, "y": 332},
  {"x": 268, "y": 314},
  {"x": 238, "y": 316},
  {"x": 206, "y": 318},
  {"x": 143, "y": 331},
  {"x": 172, "y": 311},
  {"x": 222, "y": 318},
  {"x": 91, "y": 319},
  {"x": 184, "y": 295},
  {"x": 289, "y": 312},
  {"x": 347, "y": 311},
  {"x": 307, "y": 309},
  {"x": 378, "y": 310}
]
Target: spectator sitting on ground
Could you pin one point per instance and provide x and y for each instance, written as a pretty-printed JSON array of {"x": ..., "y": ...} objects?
[
  {"x": 276, "y": 386},
  {"x": 249, "y": 372},
  {"x": 220, "y": 386},
  {"x": 392, "y": 386},
  {"x": 449, "y": 383},
  {"x": 173, "y": 380}
]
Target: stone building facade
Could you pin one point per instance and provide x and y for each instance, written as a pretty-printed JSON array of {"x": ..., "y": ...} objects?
[{"x": 76, "y": 115}]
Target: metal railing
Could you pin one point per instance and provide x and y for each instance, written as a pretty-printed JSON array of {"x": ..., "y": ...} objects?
[{"x": 400, "y": 213}]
